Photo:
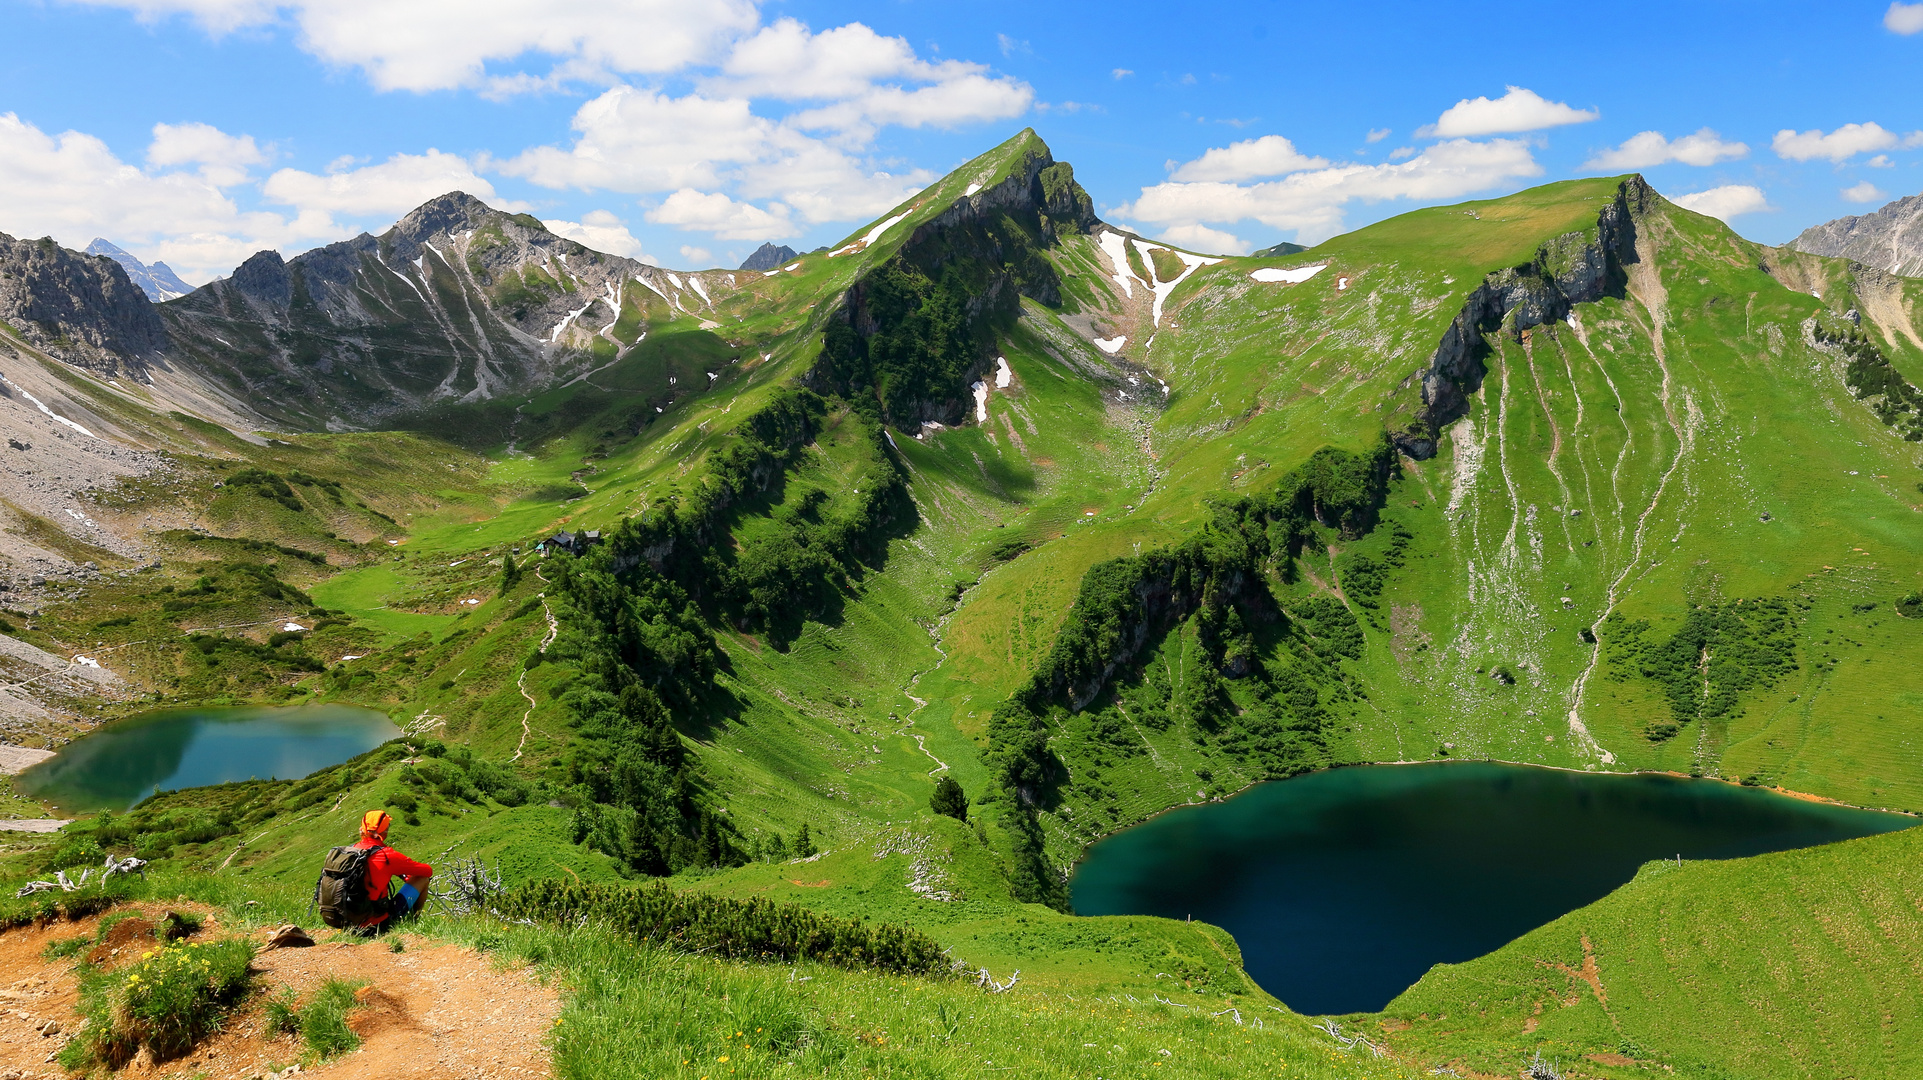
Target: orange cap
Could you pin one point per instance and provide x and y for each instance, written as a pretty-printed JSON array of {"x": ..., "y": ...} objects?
[{"x": 374, "y": 823}]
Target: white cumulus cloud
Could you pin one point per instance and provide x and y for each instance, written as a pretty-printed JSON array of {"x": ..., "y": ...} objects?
[
  {"x": 1204, "y": 239},
  {"x": 789, "y": 62},
  {"x": 201, "y": 144},
  {"x": 73, "y": 188},
  {"x": 424, "y": 45},
  {"x": 715, "y": 212},
  {"x": 642, "y": 142},
  {"x": 635, "y": 140},
  {"x": 965, "y": 99},
  {"x": 1728, "y": 201},
  {"x": 821, "y": 184},
  {"x": 1864, "y": 192},
  {"x": 1270, "y": 155},
  {"x": 602, "y": 231},
  {"x": 698, "y": 257},
  {"x": 384, "y": 191},
  {"x": 1518, "y": 110},
  {"x": 1311, "y": 202},
  {"x": 1649, "y": 149},
  {"x": 678, "y": 103},
  {"x": 1903, "y": 18},
  {"x": 224, "y": 159},
  {"x": 1838, "y": 146}
]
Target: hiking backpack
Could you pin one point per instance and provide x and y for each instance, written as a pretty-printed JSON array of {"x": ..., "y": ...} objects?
[{"x": 341, "y": 892}]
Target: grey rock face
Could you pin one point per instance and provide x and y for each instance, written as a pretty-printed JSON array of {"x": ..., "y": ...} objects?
[
  {"x": 263, "y": 279},
  {"x": 456, "y": 302},
  {"x": 81, "y": 308},
  {"x": 767, "y": 257},
  {"x": 1566, "y": 271},
  {"x": 158, "y": 281},
  {"x": 1891, "y": 239}
]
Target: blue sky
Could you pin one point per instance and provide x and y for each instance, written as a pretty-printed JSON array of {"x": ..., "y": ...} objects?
[{"x": 199, "y": 131}]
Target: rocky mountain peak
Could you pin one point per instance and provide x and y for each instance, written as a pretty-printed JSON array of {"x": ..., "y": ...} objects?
[
  {"x": 444, "y": 215},
  {"x": 1890, "y": 239},
  {"x": 263, "y": 277},
  {"x": 83, "y": 309},
  {"x": 767, "y": 257}
]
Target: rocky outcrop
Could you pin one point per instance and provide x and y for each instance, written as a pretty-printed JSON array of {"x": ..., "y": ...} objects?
[
  {"x": 82, "y": 309},
  {"x": 1568, "y": 270},
  {"x": 995, "y": 239},
  {"x": 1891, "y": 239},
  {"x": 767, "y": 257},
  {"x": 158, "y": 281}
]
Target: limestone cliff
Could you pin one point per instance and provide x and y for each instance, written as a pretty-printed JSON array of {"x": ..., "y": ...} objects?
[
  {"x": 1891, "y": 239},
  {"x": 80, "y": 308},
  {"x": 1568, "y": 270}
]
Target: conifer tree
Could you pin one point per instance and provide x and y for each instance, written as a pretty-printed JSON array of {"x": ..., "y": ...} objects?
[{"x": 948, "y": 799}]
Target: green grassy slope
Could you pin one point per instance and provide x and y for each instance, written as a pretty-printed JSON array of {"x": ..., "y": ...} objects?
[
  {"x": 1616, "y": 463},
  {"x": 1797, "y": 964}
]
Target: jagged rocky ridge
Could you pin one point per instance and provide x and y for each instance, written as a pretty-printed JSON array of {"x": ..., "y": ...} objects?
[
  {"x": 1568, "y": 270},
  {"x": 767, "y": 257},
  {"x": 1891, "y": 239},
  {"x": 456, "y": 302},
  {"x": 80, "y": 308},
  {"x": 987, "y": 244}
]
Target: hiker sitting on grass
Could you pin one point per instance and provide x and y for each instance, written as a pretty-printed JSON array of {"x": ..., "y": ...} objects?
[{"x": 369, "y": 860}]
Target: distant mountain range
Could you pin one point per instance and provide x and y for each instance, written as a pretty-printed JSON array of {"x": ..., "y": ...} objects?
[
  {"x": 158, "y": 281},
  {"x": 1891, "y": 239}
]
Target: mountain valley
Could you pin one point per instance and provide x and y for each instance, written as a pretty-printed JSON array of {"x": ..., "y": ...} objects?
[{"x": 994, "y": 491}]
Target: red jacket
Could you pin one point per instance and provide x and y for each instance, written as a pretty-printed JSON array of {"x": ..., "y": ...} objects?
[{"x": 383, "y": 866}]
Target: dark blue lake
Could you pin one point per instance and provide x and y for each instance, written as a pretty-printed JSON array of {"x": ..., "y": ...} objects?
[
  {"x": 1344, "y": 887},
  {"x": 122, "y": 763}
]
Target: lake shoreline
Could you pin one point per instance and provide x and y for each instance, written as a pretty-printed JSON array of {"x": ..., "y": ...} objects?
[
  {"x": 124, "y": 762},
  {"x": 1801, "y": 796},
  {"x": 1342, "y": 888}
]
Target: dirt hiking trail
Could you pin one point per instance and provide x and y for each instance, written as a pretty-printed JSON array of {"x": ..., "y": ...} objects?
[{"x": 434, "y": 1010}]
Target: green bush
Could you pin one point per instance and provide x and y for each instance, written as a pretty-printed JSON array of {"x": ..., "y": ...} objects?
[
  {"x": 266, "y": 485},
  {"x": 165, "y": 1001},
  {"x": 752, "y": 929},
  {"x": 948, "y": 799}
]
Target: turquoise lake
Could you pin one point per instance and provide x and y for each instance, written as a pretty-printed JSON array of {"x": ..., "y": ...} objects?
[
  {"x": 122, "y": 763},
  {"x": 1343, "y": 887}
]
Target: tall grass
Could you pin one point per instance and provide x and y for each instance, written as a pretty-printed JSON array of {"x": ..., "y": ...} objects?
[{"x": 635, "y": 1012}]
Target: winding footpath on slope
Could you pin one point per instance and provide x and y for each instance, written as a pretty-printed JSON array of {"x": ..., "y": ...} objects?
[{"x": 520, "y": 683}]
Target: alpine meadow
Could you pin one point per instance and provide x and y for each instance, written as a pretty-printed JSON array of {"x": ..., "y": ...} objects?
[{"x": 764, "y": 649}]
